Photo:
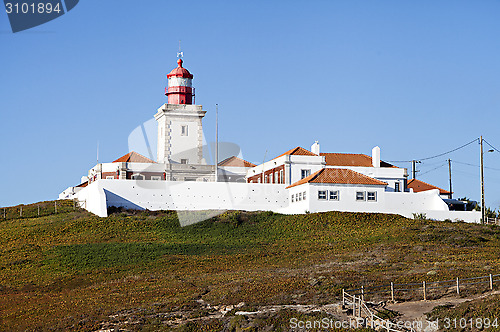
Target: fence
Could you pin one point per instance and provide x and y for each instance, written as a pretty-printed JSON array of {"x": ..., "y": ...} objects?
[
  {"x": 361, "y": 311},
  {"x": 38, "y": 209},
  {"x": 493, "y": 221},
  {"x": 392, "y": 290}
]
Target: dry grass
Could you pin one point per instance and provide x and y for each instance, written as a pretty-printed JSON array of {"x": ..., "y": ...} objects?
[{"x": 75, "y": 271}]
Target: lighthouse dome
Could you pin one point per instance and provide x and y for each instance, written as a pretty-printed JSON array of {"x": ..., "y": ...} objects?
[{"x": 180, "y": 71}]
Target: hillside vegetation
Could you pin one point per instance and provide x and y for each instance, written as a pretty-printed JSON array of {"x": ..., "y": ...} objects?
[{"x": 141, "y": 270}]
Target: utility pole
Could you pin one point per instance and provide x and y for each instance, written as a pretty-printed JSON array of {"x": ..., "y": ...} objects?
[
  {"x": 449, "y": 172},
  {"x": 482, "y": 181},
  {"x": 216, "y": 141},
  {"x": 414, "y": 168}
]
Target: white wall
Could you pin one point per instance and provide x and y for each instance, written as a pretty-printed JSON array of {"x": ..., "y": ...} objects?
[
  {"x": 195, "y": 196},
  {"x": 92, "y": 198},
  {"x": 405, "y": 204},
  {"x": 347, "y": 198},
  {"x": 181, "y": 195},
  {"x": 301, "y": 206}
]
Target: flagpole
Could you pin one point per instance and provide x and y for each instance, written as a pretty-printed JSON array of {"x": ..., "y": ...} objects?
[{"x": 216, "y": 142}]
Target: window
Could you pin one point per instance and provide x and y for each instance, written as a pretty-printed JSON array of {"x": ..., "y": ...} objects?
[
  {"x": 360, "y": 195},
  {"x": 156, "y": 177},
  {"x": 137, "y": 177},
  {"x": 266, "y": 179},
  {"x": 184, "y": 161},
  {"x": 334, "y": 195},
  {"x": 305, "y": 173},
  {"x": 300, "y": 196},
  {"x": 293, "y": 198},
  {"x": 184, "y": 130},
  {"x": 271, "y": 178},
  {"x": 276, "y": 177},
  {"x": 396, "y": 187},
  {"x": 258, "y": 180},
  {"x": 304, "y": 195},
  {"x": 371, "y": 196},
  {"x": 282, "y": 180},
  {"x": 110, "y": 177},
  {"x": 321, "y": 194}
]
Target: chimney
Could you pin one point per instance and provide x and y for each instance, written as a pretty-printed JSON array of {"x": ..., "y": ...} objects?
[
  {"x": 376, "y": 156},
  {"x": 315, "y": 148}
]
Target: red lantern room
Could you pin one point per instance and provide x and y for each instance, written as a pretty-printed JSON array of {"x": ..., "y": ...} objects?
[{"x": 180, "y": 89}]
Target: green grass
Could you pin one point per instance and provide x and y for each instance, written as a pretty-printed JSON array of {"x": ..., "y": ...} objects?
[{"x": 72, "y": 270}]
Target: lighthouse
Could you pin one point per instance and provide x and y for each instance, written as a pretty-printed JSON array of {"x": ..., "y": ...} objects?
[
  {"x": 180, "y": 131},
  {"x": 180, "y": 85}
]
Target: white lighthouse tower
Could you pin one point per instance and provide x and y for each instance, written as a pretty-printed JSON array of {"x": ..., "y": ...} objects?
[{"x": 180, "y": 131}]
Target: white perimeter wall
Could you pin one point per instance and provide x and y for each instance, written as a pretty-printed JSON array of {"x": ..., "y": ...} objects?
[
  {"x": 195, "y": 196},
  {"x": 405, "y": 204},
  {"x": 183, "y": 195}
]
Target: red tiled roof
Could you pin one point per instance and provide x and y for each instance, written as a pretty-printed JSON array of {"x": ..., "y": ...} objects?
[
  {"x": 338, "y": 175},
  {"x": 236, "y": 162},
  {"x": 298, "y": 151},
  {"x": 351, "y": 159},
  {"x": 82, "y": 185},
  {"x": 419, "y": 186},
  {"x": 133, "y": 157}
]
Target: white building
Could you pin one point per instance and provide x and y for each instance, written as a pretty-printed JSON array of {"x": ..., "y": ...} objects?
[{"x": 297, "y": 181}]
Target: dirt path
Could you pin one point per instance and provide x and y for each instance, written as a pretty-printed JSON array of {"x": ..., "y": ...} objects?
[{"x": 414, "y": 312}]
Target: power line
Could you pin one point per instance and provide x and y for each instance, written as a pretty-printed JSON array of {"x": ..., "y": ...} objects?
[
  {"x": 491, "y": 145},
  {"x": 432, "y": 164},
  {"x": 435, "y": 168},
  {"x": 460, "y": 147},
  {"x": 438, "y": 155},
  {"x": 473, "y": 165}
]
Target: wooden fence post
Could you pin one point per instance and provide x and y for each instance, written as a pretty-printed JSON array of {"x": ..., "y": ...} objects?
[
  {"x": 4, "y": 214},
  {"x": 21, "y": 211},
  {"x": 55, "y": 206},
  {"x": 363, "y": 293},
  {"x": 423, "y": 287},
  {"x": 458, "y": 287},
  {"x": 491, "y": 282},
  {"x": 354, "y": 305},
  {"x": 38, "y": 206},
  {"x": 392, "y": 291}
]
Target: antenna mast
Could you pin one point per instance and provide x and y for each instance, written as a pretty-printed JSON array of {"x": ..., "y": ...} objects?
[{"x": 180, "y": 54}]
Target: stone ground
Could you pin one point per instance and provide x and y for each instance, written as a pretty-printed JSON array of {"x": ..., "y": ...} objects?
[
  {"x": 414, "y": 311},
  {"x": 411, "y": 313}
]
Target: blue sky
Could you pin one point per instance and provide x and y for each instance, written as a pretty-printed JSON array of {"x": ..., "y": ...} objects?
[{"x": 416, "y": 78}]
